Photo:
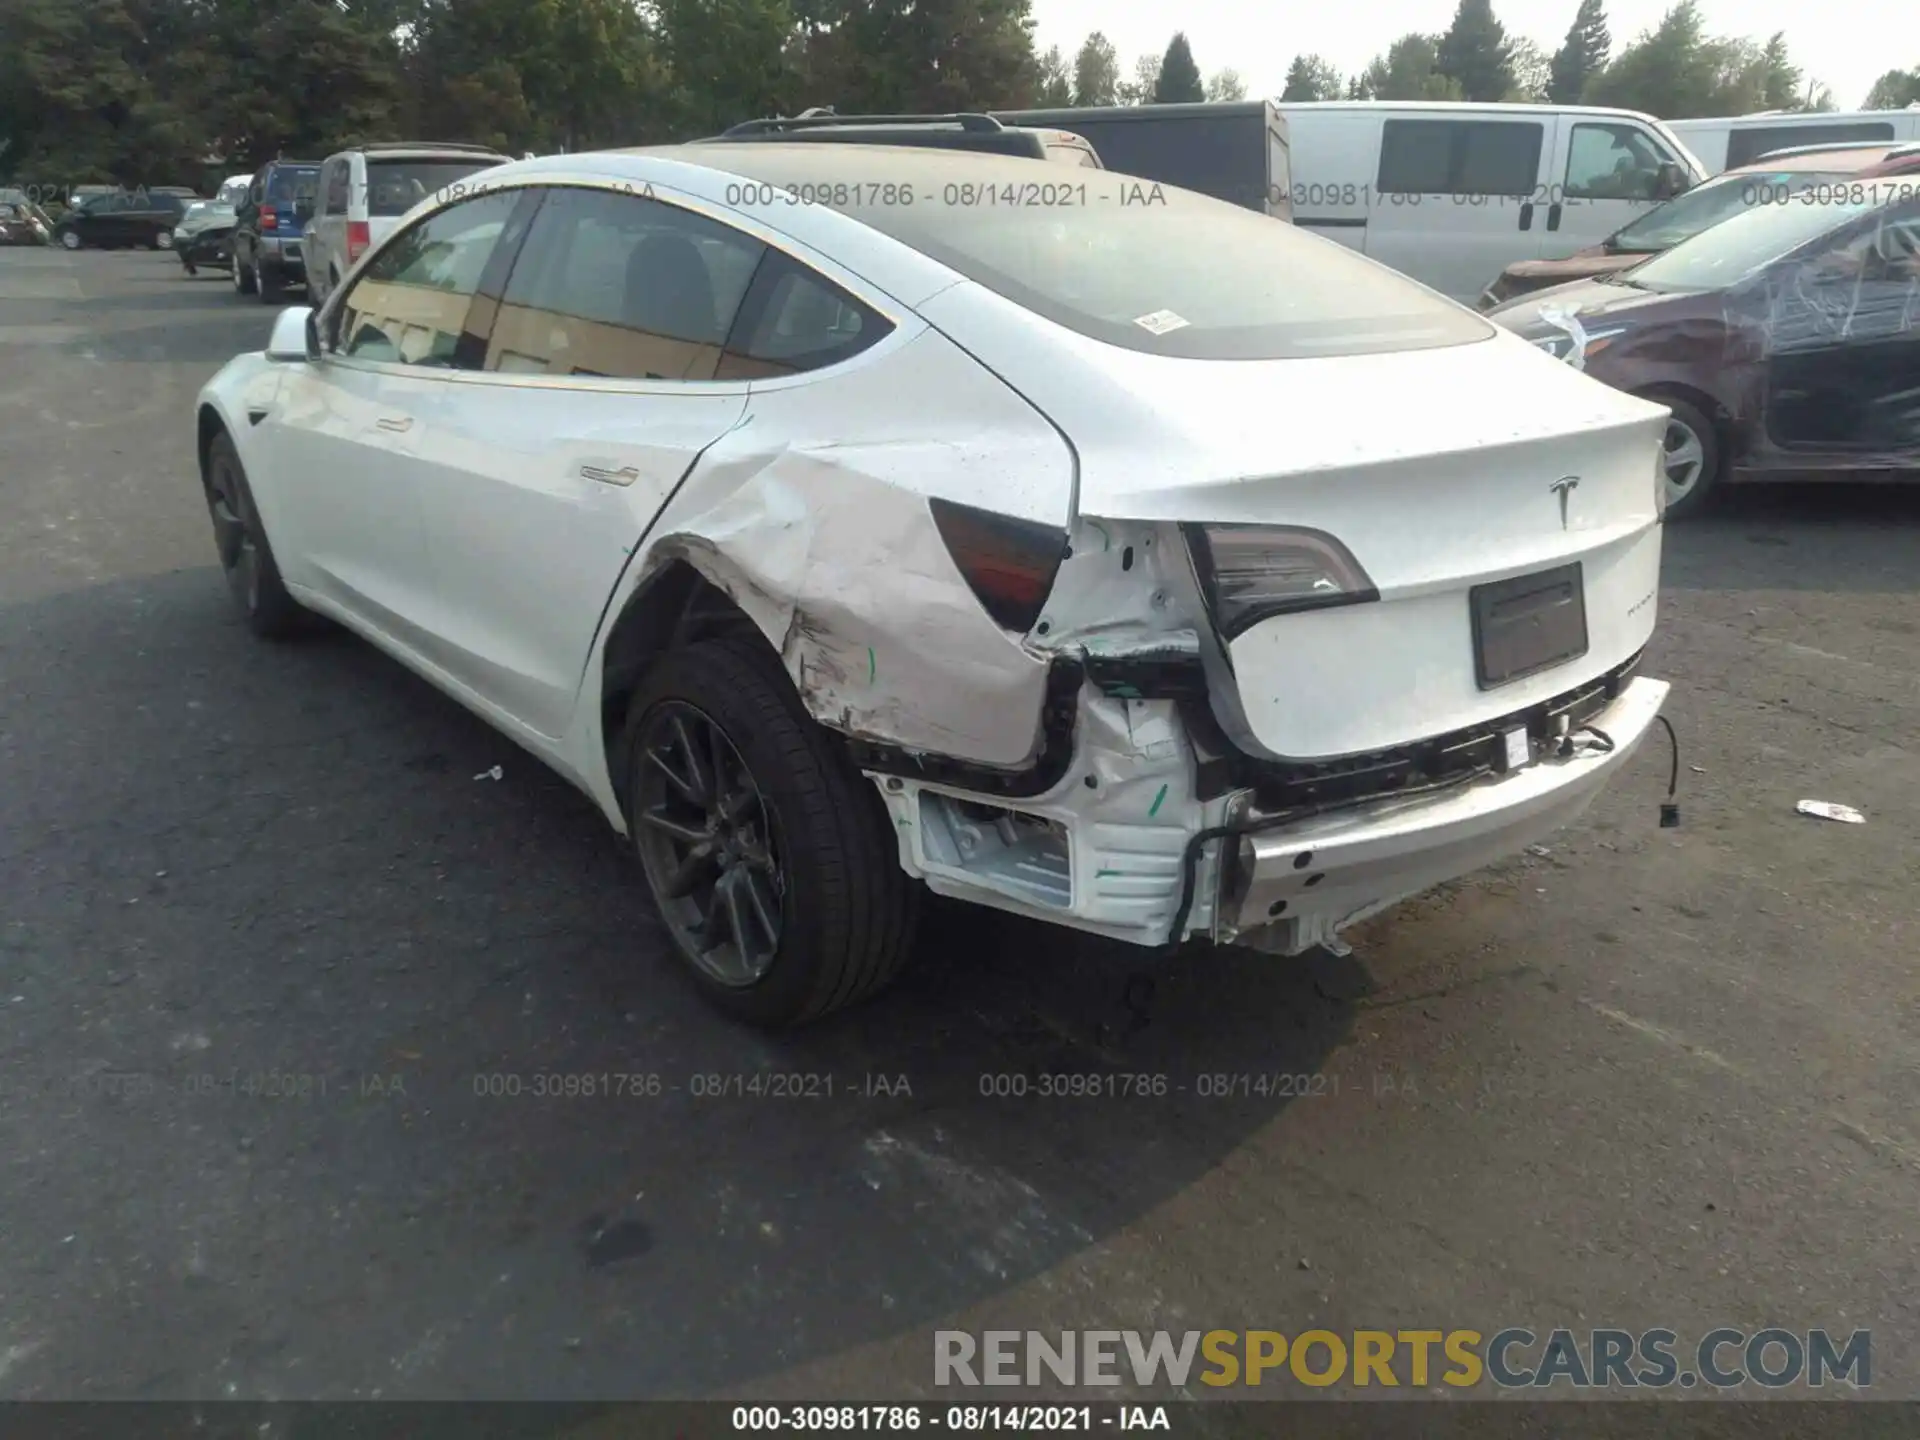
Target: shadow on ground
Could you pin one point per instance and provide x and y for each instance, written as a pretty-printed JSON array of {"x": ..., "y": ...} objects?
[{"x": 291, "y": 979}]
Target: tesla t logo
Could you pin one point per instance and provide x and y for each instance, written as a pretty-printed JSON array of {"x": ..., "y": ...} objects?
[{"x": 1564, "y": 488}]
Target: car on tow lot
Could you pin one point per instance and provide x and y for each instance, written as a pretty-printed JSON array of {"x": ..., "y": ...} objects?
[
  {"x": 264, "y": 254},
  {"x": 121, "y": 218},
  {"x": 22, "y": 223},
  {"x": 1765, "y": 182},
  {"x": 840, "y": 548},
  {"x": 204, "y": 235},
  {"x": 363, "y": 192},
  {"x": 1785, "y": 340}
]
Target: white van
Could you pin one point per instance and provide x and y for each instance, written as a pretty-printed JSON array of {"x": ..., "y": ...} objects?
[
  {"x": 1452, "y": 193},
  {"x": 1729, "y": 140}
]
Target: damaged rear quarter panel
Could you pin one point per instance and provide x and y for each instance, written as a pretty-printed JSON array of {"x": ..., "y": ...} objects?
[{"x": 812, "y": 515}]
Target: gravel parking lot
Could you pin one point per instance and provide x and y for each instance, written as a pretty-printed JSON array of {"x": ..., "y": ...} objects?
[{"x": 283, "y": 971}]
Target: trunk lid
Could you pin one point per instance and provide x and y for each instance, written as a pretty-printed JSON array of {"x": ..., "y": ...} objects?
[{"x": 1435, "y": 469}]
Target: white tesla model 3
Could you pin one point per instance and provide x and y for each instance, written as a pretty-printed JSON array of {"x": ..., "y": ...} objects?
[{"x": 850, "y": 519}]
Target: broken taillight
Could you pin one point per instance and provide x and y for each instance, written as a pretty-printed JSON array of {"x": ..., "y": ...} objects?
[
  {"x": 357, "y": 240},
  {"x": 1009, "y": 564}
]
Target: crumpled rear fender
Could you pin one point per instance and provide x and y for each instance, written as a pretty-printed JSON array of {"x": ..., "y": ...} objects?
[{"x": 812, "y": 515}]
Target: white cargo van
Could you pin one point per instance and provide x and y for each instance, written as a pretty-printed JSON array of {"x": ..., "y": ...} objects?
[
  {"x": 1451, "y": 193},
  {"x": 1729, "y": 140}
]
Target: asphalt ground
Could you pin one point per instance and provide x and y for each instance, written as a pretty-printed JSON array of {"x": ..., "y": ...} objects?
[{"x": 274, "y": 964}]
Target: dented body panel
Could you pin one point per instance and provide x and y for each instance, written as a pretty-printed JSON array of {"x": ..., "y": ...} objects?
[{"x": 1127, "y": 765}]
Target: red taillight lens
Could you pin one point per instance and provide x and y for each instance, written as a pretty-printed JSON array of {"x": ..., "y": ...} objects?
[
  {"x": 1008, "y": 564},
  {"x": 357, "y": 239},
  {"x": 269, "y": 217}
]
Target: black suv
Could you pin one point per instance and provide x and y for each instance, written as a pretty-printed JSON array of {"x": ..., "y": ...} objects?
[
  {"x": 941, "y": 132},
  {"x": 122, "y": 217},
  {"x": 268, "y": 224}
]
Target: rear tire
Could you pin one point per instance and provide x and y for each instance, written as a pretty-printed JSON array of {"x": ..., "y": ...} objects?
[
  {"x": 253, "y": 576},
  {"x": 267, "y": 283},
  {"x": 1693, "y": 458},
  {"x": 70, "y": 240},
  {"x": 163, "y": 240},
  {"x": 242, "y": 277},
  {"x": 809, "y": 844}
]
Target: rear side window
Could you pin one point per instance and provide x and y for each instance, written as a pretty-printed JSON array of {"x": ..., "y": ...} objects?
[
  {"x": 336, "y": 187},
  {"x": 794, "y": 320},
  {"x": 396, "y": 186},
  {"x": 1459, "y": 157},
  {"x": 621, "y": 286},
  {"x": 290, "y": 186},
  {"x": 1748, "y": 145},
  {"x": 1217, "y": 156}
]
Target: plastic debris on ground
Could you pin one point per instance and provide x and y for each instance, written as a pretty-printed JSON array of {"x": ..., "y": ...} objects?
[
  {"x": 1827, "y": 810},
  {"x": 496, "y": 773}
]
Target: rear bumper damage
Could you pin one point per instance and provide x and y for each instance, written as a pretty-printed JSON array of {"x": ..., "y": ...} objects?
[{"x": 1139, "y": 833}]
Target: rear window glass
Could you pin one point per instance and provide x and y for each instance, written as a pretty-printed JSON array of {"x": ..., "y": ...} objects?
[
  {"x": 396, "y": 186},
  {"x": 293, "y": 184},
  {"x": 1154, "y": 269}
]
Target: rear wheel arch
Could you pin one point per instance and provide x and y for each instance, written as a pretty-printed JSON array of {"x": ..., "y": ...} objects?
[{"x": 676, "y": 606}]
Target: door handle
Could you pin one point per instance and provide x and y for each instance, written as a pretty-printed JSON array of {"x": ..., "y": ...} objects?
[
  {"x": 1553, "y": 215},
  {"x": 1526, "y": 216},
  {"x": 398, "y": 424},
  {"x": 625, "y": 476}
]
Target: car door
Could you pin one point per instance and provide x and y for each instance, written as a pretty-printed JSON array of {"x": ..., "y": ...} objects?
[
  {"x": 343, "y": 503},
  {"x": 595, "y": 396},
  {"x": 1842, "y": 385},
  {"x": 1608, "y": 176},
  {"x": 1457, "y": 200}
]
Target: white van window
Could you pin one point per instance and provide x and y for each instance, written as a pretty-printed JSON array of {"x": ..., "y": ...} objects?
[
  {"x": 1613, "y": 162},
  {"x": 1748, "y": 145},
  {"x": 1459, "y": 157}
]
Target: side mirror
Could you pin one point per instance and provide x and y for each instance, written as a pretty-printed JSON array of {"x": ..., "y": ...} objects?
[
  {"x": 1673, "y": 181},
  {"x": 296, "y": 336}
]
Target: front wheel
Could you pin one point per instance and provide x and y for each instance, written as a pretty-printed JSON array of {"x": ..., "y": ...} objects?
[
  {"x": 69, "y": 240},
  {"x": 246, "y": 559},
  {"x": 163, "y": 240},
  {"x": 188, "y": 266},
  {"x": 769, "y": 856},
  {"x": 1691, "y": 458}
]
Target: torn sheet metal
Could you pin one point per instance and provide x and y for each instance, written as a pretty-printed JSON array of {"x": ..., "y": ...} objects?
[{"x": 830, "y": 548}]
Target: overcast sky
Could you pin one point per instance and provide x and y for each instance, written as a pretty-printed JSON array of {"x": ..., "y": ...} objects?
[{"x": 1833, "y": 42}]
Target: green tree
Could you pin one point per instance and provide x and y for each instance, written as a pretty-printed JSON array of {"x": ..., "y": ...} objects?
[
  {"x": 1096, "y": 72},
  {"x": 1055, "y": 89},
  {"x": 1179, "y": 81},
  {"x": 1474, "y": 52},
  {"x": 725, "y": 60},
  {"x": 1311, "y": 77},
  {"x": 1226, "y": 85},
  {"x": 924, "y": 56},
  {"x": 1138, "y": 90},
  {"x": 1666, "y": 71},
  {"x": 1532, "y": 72},
  {"x": 1780, "y": 84},
  {"x": 1894, "y": 90},
  {"x": 1410, "y": 70},
  {"x": 1583, "y": 55}
]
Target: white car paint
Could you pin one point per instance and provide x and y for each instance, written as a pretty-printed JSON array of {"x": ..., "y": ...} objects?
[
  {"x": 1457, "y": 243},
  {"x": 451, "y": 518},
  {"x": 1711, "y": 139}
]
